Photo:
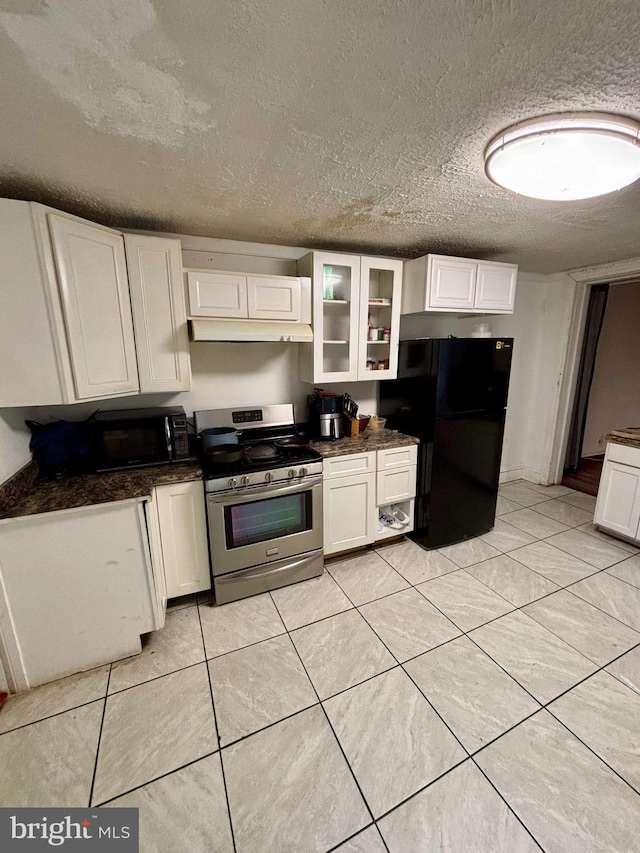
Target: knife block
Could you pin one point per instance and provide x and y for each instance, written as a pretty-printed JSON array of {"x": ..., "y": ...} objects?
[{"x": 354, "y": 426}]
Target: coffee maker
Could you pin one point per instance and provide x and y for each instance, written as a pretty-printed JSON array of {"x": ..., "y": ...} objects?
[{"x": 325, "y": 415}]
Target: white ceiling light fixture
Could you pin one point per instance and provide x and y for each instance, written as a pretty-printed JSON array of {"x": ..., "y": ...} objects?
[{"x": 566, "y": 156}]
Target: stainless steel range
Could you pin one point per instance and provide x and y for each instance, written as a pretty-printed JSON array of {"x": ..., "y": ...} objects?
[{"x": 264, "y": 510}]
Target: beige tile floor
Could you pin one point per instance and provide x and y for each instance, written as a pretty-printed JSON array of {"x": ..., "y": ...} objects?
[{"x": 484, "y": 698}]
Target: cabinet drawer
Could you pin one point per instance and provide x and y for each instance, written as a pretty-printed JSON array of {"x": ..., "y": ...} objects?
[
  {"x": 397, "y": 457},
  {"x": 395, "y": 485},
  {"x": 345, "y": 466},
  {"x": 624, "y": 454}
]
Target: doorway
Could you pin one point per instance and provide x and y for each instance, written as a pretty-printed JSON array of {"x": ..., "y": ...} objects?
[{"x": 606, "y": 396}]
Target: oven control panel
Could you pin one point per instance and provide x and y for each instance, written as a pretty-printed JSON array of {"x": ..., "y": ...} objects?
[{"x": 292, "y": 473}]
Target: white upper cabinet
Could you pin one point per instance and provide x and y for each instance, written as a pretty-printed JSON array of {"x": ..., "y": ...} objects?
[
  {"x": 379, "y": 328},
  {"x": 159, "y": 313},
  {"x": 356, "y": 313},
  {"x": 66, "y": 323},
  {"x": 240, "y": 296},
  {"x": 452, "y": 284},
  {"x": 495, "y": 287},
  {"x": 333, "y": 355},
  {"x": 92, "y": 275},
  {"x": 213, "y": 294},
  {"x": 273, "y": 298},
  {"x": 66, "y": 332},
  {"x": 442, "y": 283}
]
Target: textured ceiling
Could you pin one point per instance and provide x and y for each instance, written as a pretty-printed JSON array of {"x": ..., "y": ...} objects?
[{"x": 358, "y": 125}]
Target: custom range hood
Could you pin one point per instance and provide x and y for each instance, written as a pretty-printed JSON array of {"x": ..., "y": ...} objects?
[{"x": 217, "y": 329}]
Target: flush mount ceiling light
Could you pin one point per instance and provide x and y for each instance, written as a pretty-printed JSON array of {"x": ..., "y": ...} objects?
[{"x": 566, "y": 156}]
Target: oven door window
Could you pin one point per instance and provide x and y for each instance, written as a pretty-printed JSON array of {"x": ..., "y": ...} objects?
[{"x": 267, "y": 518}]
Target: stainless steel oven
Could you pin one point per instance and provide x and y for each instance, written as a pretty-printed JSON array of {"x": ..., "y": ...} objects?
[
  {"x": 265, "y": 536},
  {"x": 264, "y": 511}
]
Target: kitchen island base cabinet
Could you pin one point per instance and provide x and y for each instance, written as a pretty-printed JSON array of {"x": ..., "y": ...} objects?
[
  {"x": 182, "y": 530},
  {"x": 618, "y": 504},
  {"x": 76, "y": 591}
]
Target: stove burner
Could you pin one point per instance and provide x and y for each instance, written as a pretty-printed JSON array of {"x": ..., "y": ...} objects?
[{"x": 261, "y": 451}]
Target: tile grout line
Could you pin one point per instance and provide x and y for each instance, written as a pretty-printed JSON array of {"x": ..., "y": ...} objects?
[
  {"x": 156, "y": 779},
  {"x": 104, "y": 711},
  {"x": 217, "y": 731},
  {"x": 506, "y": 802},
  {"x": 591, "y": 750},
  {"x": 326, "y": 716},
  {"x": 545, "y": 707}
]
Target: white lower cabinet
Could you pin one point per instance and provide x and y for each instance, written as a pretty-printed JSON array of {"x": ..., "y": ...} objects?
[
  {"x": 356, "y": 485},
  {"x": 76, "y": 590},
  {"x": 182, "y": 530},
  {"x": 618, "y": 504},
  {"x": 349, "y": 508}
]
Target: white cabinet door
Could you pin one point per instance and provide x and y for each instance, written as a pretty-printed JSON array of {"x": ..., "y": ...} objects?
[
  {"x": 333, "y": 355},
  {"x": 496, "y": 287},
  {"x": 92, "y": 274},
  {"x": 76, "y": 589},
  {"x": 380, "y": 302},
  {"x": 217, "y": 294},
  {"x": 157, "y": 561},
  {"x": 444, "y": 283},
  {"x": 350, "y": 516},
  {"x": 159, "y": 313},
  {"x": 273, "y": 298},
  {"x": 451, "y": 283},
  {"x": 183, "y": 534},
  {"x": 618, "y": 504}
]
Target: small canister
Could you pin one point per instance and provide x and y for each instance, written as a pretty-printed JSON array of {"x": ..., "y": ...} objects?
[{"x": 386, "y": 335}]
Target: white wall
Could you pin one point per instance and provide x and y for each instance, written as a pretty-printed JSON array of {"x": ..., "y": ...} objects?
[
  {"x": 14, "y": 442},
  {"x": 614, "y": 400},
  {"x": 539, "y": 327}
]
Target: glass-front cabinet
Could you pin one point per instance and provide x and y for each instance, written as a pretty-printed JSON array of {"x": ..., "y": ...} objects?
[
  {"x": 356, "y": 316},
  {"x": 380, "y": 297}
]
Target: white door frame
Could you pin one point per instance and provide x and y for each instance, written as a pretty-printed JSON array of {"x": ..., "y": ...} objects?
[{"x": 614, "y": 273}]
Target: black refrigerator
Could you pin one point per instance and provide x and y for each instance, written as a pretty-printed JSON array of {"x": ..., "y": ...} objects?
[{"x": 451, "y": 393}]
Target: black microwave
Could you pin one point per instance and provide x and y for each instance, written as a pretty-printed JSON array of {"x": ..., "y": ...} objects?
[{"x": 135, "y": 438}]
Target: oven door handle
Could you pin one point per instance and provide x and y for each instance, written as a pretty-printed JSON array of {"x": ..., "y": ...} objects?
[
  {"x": 268, "y": 570},
  {"x": 258, "y": 492}
]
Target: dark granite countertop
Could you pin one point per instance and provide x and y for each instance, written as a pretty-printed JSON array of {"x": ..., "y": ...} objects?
[
  {"x": 629, "y": 436},
  {"x": 382, "y": 439},
  {"x": 27, "y": 494}
]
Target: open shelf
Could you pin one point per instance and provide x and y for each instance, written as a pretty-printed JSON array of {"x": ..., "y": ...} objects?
[{"x": 390, "y": 532}]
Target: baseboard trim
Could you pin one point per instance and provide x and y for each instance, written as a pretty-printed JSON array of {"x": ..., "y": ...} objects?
[{"x": 511, "y": 474}]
